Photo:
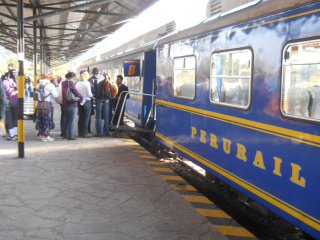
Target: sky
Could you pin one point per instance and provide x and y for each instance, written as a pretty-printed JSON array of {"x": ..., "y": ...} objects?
[{"x": 186, "y": 13}]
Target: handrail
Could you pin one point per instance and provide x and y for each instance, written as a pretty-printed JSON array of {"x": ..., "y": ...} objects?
[{"x": 124, "y": 102}]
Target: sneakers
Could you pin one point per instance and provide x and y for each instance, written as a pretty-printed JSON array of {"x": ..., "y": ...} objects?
[
  {"x": 41, "y": 137},
  {"x": 14, "y": 138},
  {"x": 47, "y": 139}
]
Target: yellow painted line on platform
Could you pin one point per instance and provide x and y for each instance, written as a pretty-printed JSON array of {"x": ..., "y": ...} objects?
[
  {"x": 127, "y": 139},
  {"x": 212, "y": 213},
  {"x": 137, "y": 147},
  {"x": 154, "y": 162},
  {"x": 183, "y": 187},
  {"x": 132, "y": 143},
  {"x": 162, "y": 169},
  {"x": 147, "y": 156},
  {"x": 141, "y": 151},
  {"x": 200, "y": 199},
  {"x": 234, "y": 231},
  {"x": 168, "y": 177}
]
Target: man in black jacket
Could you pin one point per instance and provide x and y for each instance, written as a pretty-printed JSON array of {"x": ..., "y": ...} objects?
[
  {"x": 121, "y": 88},
  {"x": 102, "y": 103}
]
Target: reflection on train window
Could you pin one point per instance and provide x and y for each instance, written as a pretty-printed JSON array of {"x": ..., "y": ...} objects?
[
  {"x": 230, "y": 78},
  {"x": 184, "y": 77},
  {"x": 301, "y": 80},
  {"x": 135, "y": 84}
]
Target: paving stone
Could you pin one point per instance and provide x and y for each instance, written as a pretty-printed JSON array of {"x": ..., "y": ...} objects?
[
  {"x": 110, "y": 236},
  {"x": 90, "y": 189}
]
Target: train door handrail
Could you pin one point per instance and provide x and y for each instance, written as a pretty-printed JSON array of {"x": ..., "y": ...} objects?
[{"x": 124, "y": 102}]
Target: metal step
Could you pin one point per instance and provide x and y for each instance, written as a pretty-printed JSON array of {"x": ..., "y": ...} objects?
[{"x": 131, "y": 129}]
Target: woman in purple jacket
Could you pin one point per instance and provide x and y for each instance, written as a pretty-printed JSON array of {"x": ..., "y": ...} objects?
[
  {"x": 70, "y": 108},
  {"x": 10, "y": 87}
]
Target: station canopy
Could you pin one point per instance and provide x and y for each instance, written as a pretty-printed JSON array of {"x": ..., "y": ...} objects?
[{"x": 65, "y": 29}]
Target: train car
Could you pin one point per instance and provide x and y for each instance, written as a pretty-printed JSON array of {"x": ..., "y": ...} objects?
[
  {"x": 239, "y": 95},
  {"x": 136, "y": 61}
]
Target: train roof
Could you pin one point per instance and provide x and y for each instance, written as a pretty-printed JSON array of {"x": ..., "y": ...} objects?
[
  {"x": 142, "y": 43},
  {"x": 251, "y": 10}
]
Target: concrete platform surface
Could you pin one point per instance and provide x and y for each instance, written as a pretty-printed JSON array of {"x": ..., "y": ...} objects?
[{"x": 89, "y": 189}]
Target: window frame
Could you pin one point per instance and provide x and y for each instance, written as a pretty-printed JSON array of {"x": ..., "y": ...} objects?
[
  {"x": 286, "y": 46},
  {"x": 195, "y": 78},
  {"x": 228, "y": 105}
]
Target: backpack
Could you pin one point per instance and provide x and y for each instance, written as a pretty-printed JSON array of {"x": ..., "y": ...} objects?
[
  {"x": 38, "y": 94},
  {"x": 109, "y": 89}
]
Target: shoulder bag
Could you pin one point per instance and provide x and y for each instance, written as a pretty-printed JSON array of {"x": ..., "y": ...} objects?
[{"x": 71, "y": 97}]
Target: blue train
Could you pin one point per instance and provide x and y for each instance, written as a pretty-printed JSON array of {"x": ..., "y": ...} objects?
[
  {"x": 140, "y": 54},
  {"x": 239, "y": 95}
]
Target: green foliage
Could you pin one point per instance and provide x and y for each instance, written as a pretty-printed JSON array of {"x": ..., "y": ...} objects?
[
  {"x": 4, "y": 64},
  {"x": 28, "y": 66},
  {"x": 60, "y": 70}
]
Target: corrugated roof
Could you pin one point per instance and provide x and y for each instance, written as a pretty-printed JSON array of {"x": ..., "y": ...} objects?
[{"x": 68, "y": 34}]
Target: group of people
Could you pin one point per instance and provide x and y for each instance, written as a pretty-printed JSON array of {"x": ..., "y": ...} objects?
[
  {"x": 86, "y": 90},
  {"x": 9, "y": 102}
]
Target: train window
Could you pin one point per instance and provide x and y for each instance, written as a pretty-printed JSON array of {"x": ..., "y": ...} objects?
[
  {"x": 231, "y": 78},
  {"x": 184, "y": 77},
  {"x": 125, "y": 80},
  {"x": 109, "y": 72},
  {"x": 135, "y": 84},
  {"x": 115, "y": 73},
  {"x": 300, "y": 92}
]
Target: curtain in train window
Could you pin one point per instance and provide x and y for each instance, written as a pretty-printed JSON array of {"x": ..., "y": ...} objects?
[
  {"x": 231, "y": 78},
  {"x": 300, "y": 80},
  {"x": 184, "y": 77}
]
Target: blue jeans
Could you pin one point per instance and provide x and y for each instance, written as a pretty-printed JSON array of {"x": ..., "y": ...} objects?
[
  {"x": 102, "y": 109},
  {"x": 70, "y": 113},
  {"x": 84, "y": 116},
  {"x": 62, "y": 118}
]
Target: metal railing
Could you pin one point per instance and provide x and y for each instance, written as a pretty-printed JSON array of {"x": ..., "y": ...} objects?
[{"x": 124, "y": 102}]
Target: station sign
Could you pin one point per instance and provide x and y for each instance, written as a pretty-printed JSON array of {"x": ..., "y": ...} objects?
[{"x": 131, "y": 68}]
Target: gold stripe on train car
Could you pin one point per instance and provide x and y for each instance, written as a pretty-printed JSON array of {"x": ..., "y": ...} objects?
[{"x": 297, "y": 136}]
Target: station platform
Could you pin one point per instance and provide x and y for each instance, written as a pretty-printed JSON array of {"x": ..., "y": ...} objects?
[{"x": 90, "y": 189}]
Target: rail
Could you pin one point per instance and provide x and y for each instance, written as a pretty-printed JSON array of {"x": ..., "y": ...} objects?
[{"x": 124, "y": 102}]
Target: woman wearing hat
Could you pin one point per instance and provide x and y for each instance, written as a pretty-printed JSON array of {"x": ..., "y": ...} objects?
[
  {"x": 70, "y": 108},
  {"x": 84, "y": 89}
]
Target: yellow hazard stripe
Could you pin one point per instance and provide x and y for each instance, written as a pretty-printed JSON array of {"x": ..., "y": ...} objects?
[
  {"x": 200, "y": 199},
  {"x": 162, "y": 169},
  {"x": 168, "y": 177},
  {"x": 147, "y": 156},
  {"x": 136, "y": 147},
  {"x": 234, "y": 231},
  {"x": 212, "y": 213},
  {"x": 141, "y": 151},
  {"x": 183, "y": 187}
]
